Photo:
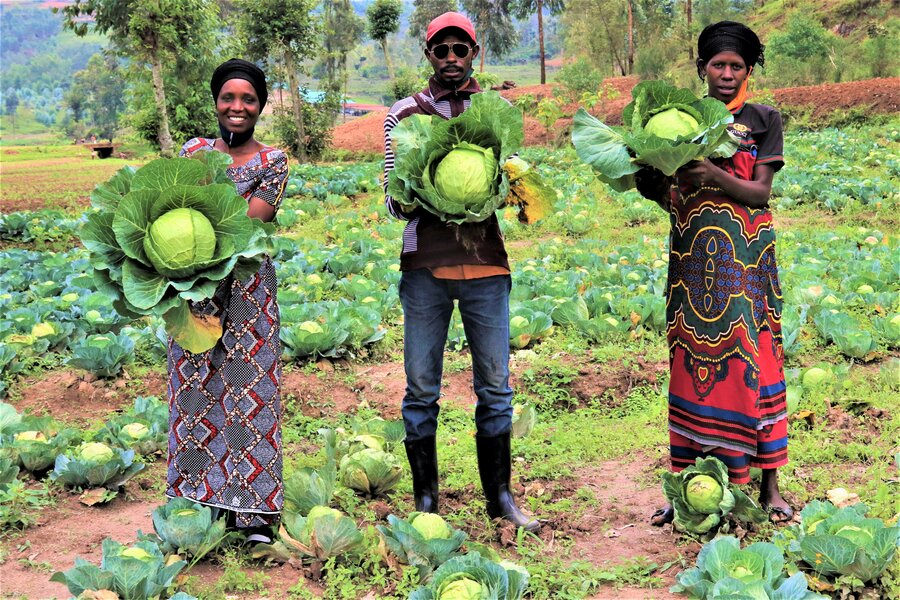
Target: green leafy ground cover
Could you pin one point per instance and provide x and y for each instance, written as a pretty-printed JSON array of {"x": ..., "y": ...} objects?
[{"x": 588, "y": 331}]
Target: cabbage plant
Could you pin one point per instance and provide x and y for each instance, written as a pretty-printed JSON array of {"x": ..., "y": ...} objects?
[
  {"x": 840, "y": 545},
  {"x": 137, "y": 572},
  {"x": 142, "y": 436},
  {"x": 94, "y": 464},
  {"x": 664, "y": 127},
  {"x": 103, "y": 355},
  {"x": 168, "y": 234},
  {"x": 459, "y": 169},
  {"x": 370, "y": 471},
  {"x": 322, "y": 534},
  {"x": 308, "y": 487},
  {"x": 473, "y": 577},
  {"x": 703, "y": 498},
  {"x": 523, "y": 420},
  {"x": 186, "y": 528},
  {"x": 36, "y": 449},
  {"x": 724, "y": 570},
  {"x": 424, "y": 540}
]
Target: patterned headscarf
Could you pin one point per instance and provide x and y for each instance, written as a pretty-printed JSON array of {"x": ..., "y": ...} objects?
[
  {"x": 729, "y": 36},
  {"x": 237, "y": 68}
]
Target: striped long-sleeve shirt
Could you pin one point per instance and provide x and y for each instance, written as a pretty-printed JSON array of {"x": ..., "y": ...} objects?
[{"x": 442, "y": 246}]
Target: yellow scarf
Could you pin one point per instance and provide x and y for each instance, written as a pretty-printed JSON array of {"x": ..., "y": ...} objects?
[{"x": 742, "y": 95}]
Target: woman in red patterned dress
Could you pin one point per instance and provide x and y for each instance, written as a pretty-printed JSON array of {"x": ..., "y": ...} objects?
[
  {"x": 225, "y": 404},
  {"x": 727, "y": 389}
]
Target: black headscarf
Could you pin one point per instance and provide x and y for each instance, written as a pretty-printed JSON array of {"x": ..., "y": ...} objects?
[
  {"x": 729, "y": 36},
  {"x": 237, "y": 68}
]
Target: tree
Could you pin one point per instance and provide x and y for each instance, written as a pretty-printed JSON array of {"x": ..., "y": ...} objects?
[
  {"x": 525, "y": 8},
  {"x": 283, "y": 33},
  {"x": 384, "y": 19},
  {"x": 147, "y": 32},
  {"x": 424, "y": 12},
  {"x": 10, "y": 106},
  {"x": 493, "y": 25},
  {"x": 342, "y": 31},
  {"x": 96, "y": 92}
]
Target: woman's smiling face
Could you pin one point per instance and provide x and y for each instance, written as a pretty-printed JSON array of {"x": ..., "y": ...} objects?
[
  {"x": 237, "y": 106},
  {"x": 725, "y": 72}
]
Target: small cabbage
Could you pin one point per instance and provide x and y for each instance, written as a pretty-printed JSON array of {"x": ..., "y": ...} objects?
[
  {"x": 465, "y": 177},
  {"x": 518, "y": 322},
  {"x": 815, "y": 376},
  {"x": 178, "y": 240},
  {"x": 310, "y": 327},
  {"x": 42, "y": 330},
  {"x": 318, "y": 512},
  {"x": 461, "y": 589},
  {"x": 865, "y": 289},
  {"x": 186, "y": 512},
  {"x": 136, "y": 431},
  {"x": 704, "y": 494},
  {"x": 31, "y": 436},
  {"x": 70, "y": 297},
  {"x": 137, "y": 553},
  {"x": 671, "y": 124},
  {"x": 96, "y": 452},
  {"x": 431, "y": 526}
]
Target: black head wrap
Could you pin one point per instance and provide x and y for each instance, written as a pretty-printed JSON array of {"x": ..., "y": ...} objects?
[
  {"x": 729, "y": 36},
  {"x": 240, "y": 69}
]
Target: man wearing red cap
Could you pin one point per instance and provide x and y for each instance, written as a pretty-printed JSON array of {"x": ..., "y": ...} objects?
[{"x": 440, "y": 263}]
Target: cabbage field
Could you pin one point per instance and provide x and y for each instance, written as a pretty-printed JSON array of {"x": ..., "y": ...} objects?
[{"x": 83, "y": 419}]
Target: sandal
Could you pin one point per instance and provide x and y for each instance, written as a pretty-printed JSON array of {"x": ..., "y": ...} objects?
[
  {"x": 662, "y": 516},
  {"x": 784, "y": 514}
]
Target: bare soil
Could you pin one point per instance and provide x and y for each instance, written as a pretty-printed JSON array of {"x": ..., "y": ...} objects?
[
  {"x": 613, "y": 529},
  {"x": 882, "y": 96}
]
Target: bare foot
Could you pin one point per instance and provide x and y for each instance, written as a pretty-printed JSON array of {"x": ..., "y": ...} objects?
[
  {"x": 664, "y": 515},
  {"x": 771, "y": 500}
]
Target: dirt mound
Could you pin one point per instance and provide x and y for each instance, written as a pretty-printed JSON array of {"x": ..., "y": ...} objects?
[{"x": 882, "y": 96}]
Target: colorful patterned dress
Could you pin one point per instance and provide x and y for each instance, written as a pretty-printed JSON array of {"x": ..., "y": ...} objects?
[
  {"x": 727, "y": 389},
  {"x": 225, "y": 404}
]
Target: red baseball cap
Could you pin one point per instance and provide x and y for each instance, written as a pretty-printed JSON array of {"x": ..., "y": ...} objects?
[{"x": 450, "y": 19}]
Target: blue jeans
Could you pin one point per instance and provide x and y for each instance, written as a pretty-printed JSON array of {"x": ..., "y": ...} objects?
[{"x": 484, "y": 307}]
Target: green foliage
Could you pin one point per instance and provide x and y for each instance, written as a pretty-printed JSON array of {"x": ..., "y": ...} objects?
[
  {"x": 324, "y": 533},
  {"x": 102, "y": 354},
  {"x": 422, "y": 142},
  {"x": 188, "y": 529},
  {"x": 307, "y": 488},
  {"x": 95, "y": 465},
  {"x": 422, "y": 540},
  {"x": 724, "y": 570},
  {"x": 135, "y": 572},
  {"x": 617, "y": 153},
  {"x": 579, "y": 77},
  {"x": 840, "y": 546},
  {"x": 703, "y": 498},
  {"x": 800, "y": 53},
  {"x": 384, "y": 18},
  {"x": 472, "y": 577},
  {"x": 127, "y": 207},
  {"x": 317, "y": 123},
  {"x": 371, "y": 471},
  {"x": 406, "y": 83},
  {"x": 96, "y": 95}
]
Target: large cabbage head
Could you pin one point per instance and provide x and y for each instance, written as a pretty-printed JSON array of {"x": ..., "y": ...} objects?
[
  {"x": 704, "y": 494},
  {"x": 179, "y": 241},
  {"x": 431, "y": 526},
  {"x": 672, "y": 123},
  {"x": 465, "y": 177},
  {"x": 461, "y": 589},
  {"x": 95, "y": 452}
]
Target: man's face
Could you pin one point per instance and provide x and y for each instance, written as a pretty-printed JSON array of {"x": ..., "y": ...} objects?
[{"x": 451, "y": 70}]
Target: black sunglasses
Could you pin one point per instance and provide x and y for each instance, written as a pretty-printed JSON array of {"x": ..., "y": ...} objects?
[{"x": 441, "y": 51}]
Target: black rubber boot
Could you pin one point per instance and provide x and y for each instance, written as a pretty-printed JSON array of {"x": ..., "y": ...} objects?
[
  {"x": 495, "y": 468},
  {"x": 422, "y": 455}
]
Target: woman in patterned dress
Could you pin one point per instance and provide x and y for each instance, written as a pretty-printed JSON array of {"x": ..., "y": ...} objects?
[
  {"x": 727, "y": 389},
  {"x": 225, "y": 404}
]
